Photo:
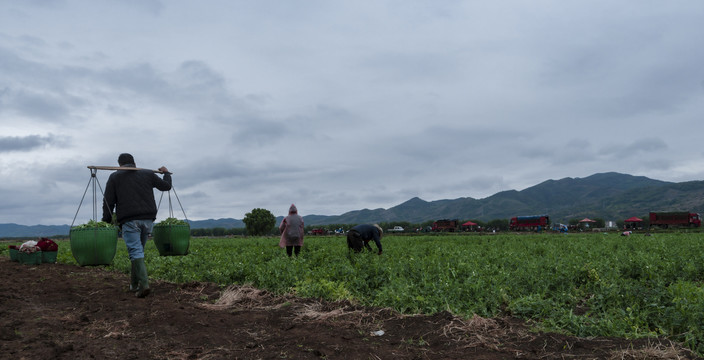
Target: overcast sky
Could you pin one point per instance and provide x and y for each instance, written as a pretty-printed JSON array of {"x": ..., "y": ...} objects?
[{"x": 341, "y": 105}]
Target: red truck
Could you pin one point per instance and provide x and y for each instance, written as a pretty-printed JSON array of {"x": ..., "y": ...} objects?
[
  {"x": 446, "y": 225},
  {"x": 531, "y": 222},
  {"x": 675, "y": 218}
]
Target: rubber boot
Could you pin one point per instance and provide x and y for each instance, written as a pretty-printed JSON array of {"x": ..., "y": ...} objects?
[
  {"x": 142, "y": 278},
  {"x": 134, "y": 280}
]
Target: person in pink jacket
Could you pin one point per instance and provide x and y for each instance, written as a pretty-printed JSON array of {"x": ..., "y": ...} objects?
[{"x": 291, "y": 229}]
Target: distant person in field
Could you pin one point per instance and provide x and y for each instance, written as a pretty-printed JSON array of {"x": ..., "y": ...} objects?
[
  {"x": 291, "y": 229},
  {"x": 359, "y": 237},
  {"x": 130, "y": 193}
]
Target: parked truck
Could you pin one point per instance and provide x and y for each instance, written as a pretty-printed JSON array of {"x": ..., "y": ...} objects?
[
  {"x": 531, "y": 222},
  {"x": 446, "y": 225},
  {"x": 675, "y": 218}
]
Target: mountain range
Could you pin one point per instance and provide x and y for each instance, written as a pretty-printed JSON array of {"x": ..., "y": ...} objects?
[{"x": 609, "y": 196}]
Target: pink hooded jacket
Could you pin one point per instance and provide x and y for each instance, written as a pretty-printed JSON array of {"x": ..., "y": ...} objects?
[{"x": 291, "y": 229}]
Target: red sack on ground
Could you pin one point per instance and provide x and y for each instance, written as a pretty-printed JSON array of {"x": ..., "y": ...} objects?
[{"x": 47, "y": 245}]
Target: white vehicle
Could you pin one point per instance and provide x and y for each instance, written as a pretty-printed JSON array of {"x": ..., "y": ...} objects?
[{"x": 396, "y": 229}]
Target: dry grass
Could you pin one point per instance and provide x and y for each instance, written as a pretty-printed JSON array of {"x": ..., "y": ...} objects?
[
  {"x": 469, "y": 333},
  {"x": 242, "y": 296},
  {"x": 315, "y": 311},
  {"x": 344, "y": 314},
  {"x": 106, "y": 329},
  {"x": 479, "y": 331},
  {"x": 654, "y": 351}
]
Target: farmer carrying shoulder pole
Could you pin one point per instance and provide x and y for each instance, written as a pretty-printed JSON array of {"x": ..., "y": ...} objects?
[
  {"x": 359, "y": 236},
  {"x": 131, "y": 195}
]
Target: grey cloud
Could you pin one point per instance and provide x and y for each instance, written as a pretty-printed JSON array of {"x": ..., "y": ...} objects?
[
  {"x": 211, "y": 170},
  {"x": 45, "y": 3},
  {"x": 16, "y": 69},
  {"x": 662, "y": 89},
  {"x": 380, "y": 195},
  {"x": 153, "y": 7},
  {"x": 199, "y": 194},
  {"x": 626, "y": 69},
  {"x": 582, "y": 152},
  {"x": 259, "y": 132},
  {"x": 634, "y": 149},
  {"x": 40, "y": 199},
  {"x": 193, "y": 86},
  {"x": 573, "y": 151},
  {"x": 201, "y": 170},
  {"x": 56, "y": 93},
  {"x": 386, "y": 103},
  {"x": 198, "y": 76},
  {"x": 27, "y": 143},
  {"x": 136, "y": 79},
  {"x": 333, "y": 116},
  {"x": 33, "y": 41},
  {"x": 74, "y": 172},
  {"x": 447, "y": 143},
  {"x": 399, "y": 68},
  {"x": 472, "y": 184},
  {"x": 33, "y": 90},
  {"x": 658, "y": 163},
  {"x": 323, "y": 123},
  {"x": 44, "y": 106}
]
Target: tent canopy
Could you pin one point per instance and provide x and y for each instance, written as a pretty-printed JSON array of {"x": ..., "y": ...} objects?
[
  {"x": 633, "y": 219},
  {"x": 469, "y": 223},
  {"x": 587, "y": 220}
]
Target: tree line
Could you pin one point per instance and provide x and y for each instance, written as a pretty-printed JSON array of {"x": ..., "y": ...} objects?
[{"x": 261, "y": 222}]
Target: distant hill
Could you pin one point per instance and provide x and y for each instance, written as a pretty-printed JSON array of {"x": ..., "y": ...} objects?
[
  {"x": 609, "y": 196},
  {"x": 227, "y": 223},
  {"x": 15, "y": 230}
]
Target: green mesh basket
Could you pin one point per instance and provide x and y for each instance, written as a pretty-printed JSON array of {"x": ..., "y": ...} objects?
[
  {"x": 34, "y": 258},
  {"x": 49, "y": 257},
  {"x": 13, "y": 254},
  {"x": 94, "y": 246},
  {"x": 172, "y": 239}
]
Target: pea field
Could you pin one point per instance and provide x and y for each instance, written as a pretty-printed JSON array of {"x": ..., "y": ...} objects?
[{"x": 596, "y": 284}]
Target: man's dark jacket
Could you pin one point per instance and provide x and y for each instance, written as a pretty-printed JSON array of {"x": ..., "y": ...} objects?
[{"x": 131, "y": 193}]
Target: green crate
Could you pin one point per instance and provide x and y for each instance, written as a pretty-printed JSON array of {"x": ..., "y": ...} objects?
[
  {"x": 49, "y": 257},
  {"x": 13, "y": 254},
  {"x": 34, "y": 258}
]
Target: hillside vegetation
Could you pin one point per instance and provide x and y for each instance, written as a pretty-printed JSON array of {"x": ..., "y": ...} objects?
[{"x": 609, "y": 196}]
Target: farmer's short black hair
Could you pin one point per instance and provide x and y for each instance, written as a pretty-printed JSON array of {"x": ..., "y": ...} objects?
[{"x": 124, "y": 159}]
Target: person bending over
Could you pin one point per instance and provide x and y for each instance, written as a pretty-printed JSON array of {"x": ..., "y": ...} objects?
[{"x": 359, "y": 237}]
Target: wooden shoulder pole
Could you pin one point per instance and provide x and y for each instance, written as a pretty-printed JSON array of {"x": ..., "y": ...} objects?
[{"x": 93, "y": 167}]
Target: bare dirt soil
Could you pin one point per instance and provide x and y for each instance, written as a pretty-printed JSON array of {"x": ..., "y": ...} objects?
[{"x": 56, "y": 311}]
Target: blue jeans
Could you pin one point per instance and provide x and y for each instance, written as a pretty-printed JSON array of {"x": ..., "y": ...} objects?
[{"x": 135, "y": 233}]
